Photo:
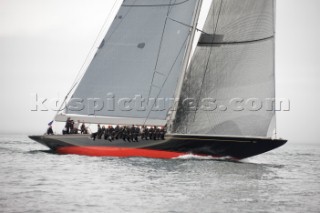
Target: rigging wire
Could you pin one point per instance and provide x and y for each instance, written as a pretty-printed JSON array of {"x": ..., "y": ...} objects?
[
  {"x": 158, "y": 53},
  {"x": 187, "y": 58},
  {"x": 207, "y": 64},
  {"x": 157, "y": 60},
  {"x": 187, "y": 25},
  {"x": 164, "y": 82},
  {"x": 184, "y": 43},
  {"x": 77, "y": 79}
]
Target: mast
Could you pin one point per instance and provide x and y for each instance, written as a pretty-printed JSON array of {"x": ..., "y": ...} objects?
[{"x": 187, "y": 60}]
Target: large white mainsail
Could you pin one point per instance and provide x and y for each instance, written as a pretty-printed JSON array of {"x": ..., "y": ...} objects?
[
  {"x": 140, "y": 57},
  {"x": 234, "y": 61}
]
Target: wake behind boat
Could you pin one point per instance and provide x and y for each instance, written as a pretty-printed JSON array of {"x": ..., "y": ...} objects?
[{"x": 221, "y": 74}]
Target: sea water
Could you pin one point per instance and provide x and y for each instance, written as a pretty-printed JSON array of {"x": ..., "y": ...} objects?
[{"x": 34, "y": 180}]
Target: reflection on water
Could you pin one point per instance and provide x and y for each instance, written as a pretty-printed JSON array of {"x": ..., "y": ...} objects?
[{"x": 33, "y": 179}]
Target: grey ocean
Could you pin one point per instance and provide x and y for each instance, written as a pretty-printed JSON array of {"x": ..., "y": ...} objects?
[{"x": 284, "y": 180}]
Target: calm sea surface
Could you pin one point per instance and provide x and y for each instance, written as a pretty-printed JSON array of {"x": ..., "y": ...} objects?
[{"x": 31, "y": 180}]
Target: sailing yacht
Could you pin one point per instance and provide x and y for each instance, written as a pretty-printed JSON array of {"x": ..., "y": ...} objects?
[{"x": 214, "y": 87}]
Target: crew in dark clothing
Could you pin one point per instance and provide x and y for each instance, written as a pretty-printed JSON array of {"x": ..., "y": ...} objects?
[
  {"x": 142, "y": 133},
  {"x": 117, "y": 132},
  {"x": 162, "y": 133},
  {"x": 133, "y": 133},
  {"x": 129, "y": 134},
  {"x": 151, "y": 133},
  {"x": 146, "y": 132},
  {"x": 68, "y": 126},
  {"x": 83, "y": 129},
  {"x": 49, "y": 130},
  {"x": 100, "y": 131},
  {"x": 124, "y": 133},
  {"x": 96, "y": 134},
  {"x": 75, "y": 127},
  {"x": 106, "y": 133},
  {"x": 111, "y": 133},
  {"x": 103, "y": 131},
  {"x": 156, "y": 133},
  {"x": 71, "y": 126},
  {"x": 137, "y": 133}
]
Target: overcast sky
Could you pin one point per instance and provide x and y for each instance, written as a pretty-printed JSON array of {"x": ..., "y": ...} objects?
[{"x": 43, "y": 44}]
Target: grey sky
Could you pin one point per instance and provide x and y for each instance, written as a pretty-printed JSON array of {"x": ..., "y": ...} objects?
[{"x": 43, "y": 44}]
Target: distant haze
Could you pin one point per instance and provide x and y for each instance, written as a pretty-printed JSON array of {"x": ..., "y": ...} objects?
[{"x": 43, "y": 45}]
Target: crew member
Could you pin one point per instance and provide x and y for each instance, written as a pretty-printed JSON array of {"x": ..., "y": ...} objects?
[
  {"x": 94, "y": 135},
  {"x": 83, "y": 129},
  {"x": 49, "y": 130}
]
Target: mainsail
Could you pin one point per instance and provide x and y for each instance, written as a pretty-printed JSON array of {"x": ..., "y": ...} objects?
[
  {"x": 138, "y": 62},
  {"x": 230, "y": 83}
]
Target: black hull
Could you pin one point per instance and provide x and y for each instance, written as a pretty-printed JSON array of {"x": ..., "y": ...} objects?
[{"x": 173, "y": 146}]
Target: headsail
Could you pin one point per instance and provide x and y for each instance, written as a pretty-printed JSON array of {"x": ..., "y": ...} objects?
[
  {"x": 231, "y": 73},
  {"x": 139, "y": 60}
]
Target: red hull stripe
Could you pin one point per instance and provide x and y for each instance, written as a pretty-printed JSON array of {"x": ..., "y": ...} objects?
[{"x": 117, "y": 152}]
